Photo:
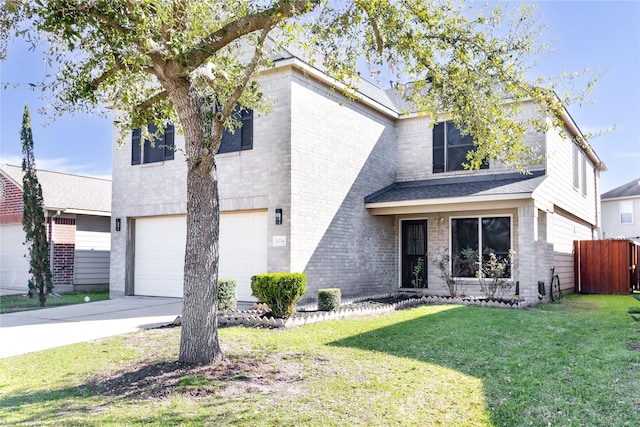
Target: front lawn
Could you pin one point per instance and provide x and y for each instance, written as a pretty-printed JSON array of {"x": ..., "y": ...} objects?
[
  {"x": 560, "y": 365},
  {"x": 22, "y": 302}
]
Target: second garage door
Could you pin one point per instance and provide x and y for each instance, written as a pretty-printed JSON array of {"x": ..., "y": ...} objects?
[{"x": 159, "y": 252}]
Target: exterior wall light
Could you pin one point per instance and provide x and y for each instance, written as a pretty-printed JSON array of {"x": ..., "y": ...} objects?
[
  {"x": 278, "y": 216},
  {"x": 117, "y": 224}
]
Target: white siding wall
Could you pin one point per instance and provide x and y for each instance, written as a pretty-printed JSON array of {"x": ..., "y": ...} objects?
[
  {"x": 566, "y": 229},
  {"x": 14, "y": 263},
  {"x": 611, "y": 226},
  {"x": 92, "y": 250},
  {"x": 558, "y": 188}
]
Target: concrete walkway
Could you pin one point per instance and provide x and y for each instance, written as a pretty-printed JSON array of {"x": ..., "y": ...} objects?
[{"x": 37, "y": 330}]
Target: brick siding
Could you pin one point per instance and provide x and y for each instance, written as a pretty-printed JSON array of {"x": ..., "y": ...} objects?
[
  {"x": 11, "y": 204},
  {"x": 64, "y": 230}
]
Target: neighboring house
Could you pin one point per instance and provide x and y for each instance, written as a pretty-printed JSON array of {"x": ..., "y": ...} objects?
[
  {"x": 621, "y": 212},
  {"x": 77, "y": 210},
  {"x": 353, "y": 193}
]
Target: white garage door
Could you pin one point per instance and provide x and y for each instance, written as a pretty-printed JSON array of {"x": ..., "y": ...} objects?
[
  {"x": 159, "y": 256},
  {"x": 159, "y": 252},
  {"x": 14, "y": 266},
  {"x": 243, "y": 249}
]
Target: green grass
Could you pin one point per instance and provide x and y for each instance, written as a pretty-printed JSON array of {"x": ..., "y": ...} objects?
[
  {"x": 14, "y": 303},
  {"x": 568, "y": 364}
]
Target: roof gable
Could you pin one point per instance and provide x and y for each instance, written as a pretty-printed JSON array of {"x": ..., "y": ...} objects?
[
  {"x": 630, "y": 189},
  {"x": 63, "y": 191}
]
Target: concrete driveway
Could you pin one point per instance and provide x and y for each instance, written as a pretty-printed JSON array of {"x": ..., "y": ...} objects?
[{"x": 37, "y": 330}]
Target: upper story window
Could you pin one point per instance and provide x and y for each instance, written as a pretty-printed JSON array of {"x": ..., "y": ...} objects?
[
  {"x": 242, "y": 138},
  {"x": 450, "y": 148},
  {"x": 583, "y": 178},
  {"x": 626, "y": 212},
  {"x": 579, "y": 170},
  {"x": 576, "y": 166},
  {"x": 160, "y": 150}
]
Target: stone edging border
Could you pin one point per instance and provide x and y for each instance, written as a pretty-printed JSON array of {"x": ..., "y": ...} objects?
[{"x": 255, "y": 317}]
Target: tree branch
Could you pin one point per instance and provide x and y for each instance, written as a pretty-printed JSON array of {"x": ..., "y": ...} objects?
[
  {"x": 268, "y": 18},
  {"x": 249, "y": 71},
  {"x": 151, "y": 101}
]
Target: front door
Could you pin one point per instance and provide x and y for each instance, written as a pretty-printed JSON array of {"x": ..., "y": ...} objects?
[{"x": 414, "y": 253}]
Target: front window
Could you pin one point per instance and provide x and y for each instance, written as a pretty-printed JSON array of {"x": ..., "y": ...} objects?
[
  {"x": 473, "y": 240},
  {"x": 626, "y": 212},
  {"x": 450, "y": 148}
]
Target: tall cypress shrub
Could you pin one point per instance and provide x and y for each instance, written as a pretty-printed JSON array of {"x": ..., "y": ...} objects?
[{"x": 33, "y": 218}]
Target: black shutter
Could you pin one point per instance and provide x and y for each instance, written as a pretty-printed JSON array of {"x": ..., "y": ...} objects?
[
  {"x": 135, "y": 147},
  {"x": 438, "y": 147},
  {"x": 246, "y": 142},
  {"x": 169, "y": 142}
]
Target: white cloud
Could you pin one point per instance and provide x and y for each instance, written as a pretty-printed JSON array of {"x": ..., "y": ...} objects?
[{"x": 58, "y": 165}]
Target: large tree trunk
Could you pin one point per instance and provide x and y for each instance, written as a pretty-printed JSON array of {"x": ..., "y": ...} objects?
[{"x": 199, "y": 335}]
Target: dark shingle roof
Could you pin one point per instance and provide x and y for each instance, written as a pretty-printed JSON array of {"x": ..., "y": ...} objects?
[
  {"x": 66, "y": 191},
  {"x": 506, "y": 183},
  {"x": 630, "y": 189}
]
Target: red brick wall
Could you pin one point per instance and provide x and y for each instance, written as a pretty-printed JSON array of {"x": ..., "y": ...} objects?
[
  {"x": 64, "y": 230},
  {"x": 11, "y": 205}
]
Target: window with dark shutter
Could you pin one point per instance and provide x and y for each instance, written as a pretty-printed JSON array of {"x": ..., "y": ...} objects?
[
  {"x": 160, "y": 150},
  {"x": 242, "y": 137},
  {"x": 450, "y": 148}
]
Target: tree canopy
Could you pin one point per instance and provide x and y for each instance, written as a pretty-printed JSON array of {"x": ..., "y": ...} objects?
[{"x": 191, "y": 62}]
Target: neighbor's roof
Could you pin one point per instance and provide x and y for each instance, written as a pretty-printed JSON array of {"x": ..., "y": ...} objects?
[
  {"x": 487, "y": 185},
  {"x": 67, "y": 192},
  {"x": 630, "y": 189}
]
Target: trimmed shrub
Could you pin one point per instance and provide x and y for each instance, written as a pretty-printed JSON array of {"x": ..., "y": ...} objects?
[
  {"x": 280, "y": 291},
  {"x": 227, "y": 299},
  {"x": 329, "y": 299}
]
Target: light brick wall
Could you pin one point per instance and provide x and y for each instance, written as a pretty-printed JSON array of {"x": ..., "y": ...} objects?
[
  {"x": 341, "y": 152},
  {"x": 248, "y": 180},
  {"x": 415, "y": 149}
]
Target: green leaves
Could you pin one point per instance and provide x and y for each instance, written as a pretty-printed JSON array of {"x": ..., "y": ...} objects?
[{"x": 33, "y": 219}]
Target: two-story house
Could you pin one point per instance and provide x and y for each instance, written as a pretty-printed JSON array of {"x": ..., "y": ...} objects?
[{"x": 353, "y": 193}]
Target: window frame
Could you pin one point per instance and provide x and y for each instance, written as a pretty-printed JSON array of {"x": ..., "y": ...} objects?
[
  {"x": 479, "y": 218},
  {"x": 622, "y": 211},
  {"x": 576, "y": 167},
  {"x": 583, "y": 177},
  {"x": 442, "y": 166}
]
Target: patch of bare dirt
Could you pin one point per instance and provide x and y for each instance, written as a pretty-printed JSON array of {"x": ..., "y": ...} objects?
[
  {"x": 635, "y": 346},
  {"x": 234, "y": 376}
]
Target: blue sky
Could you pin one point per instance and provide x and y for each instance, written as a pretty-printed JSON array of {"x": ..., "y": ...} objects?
[{"x": 599, "y": 35}]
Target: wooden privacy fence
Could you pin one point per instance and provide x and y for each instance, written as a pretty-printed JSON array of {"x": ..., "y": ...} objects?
[{"x": 605, "y": 266}]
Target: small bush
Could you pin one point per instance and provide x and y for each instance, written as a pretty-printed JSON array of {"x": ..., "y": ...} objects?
[
  {"x": 329, "y": 299},
  {"x": 280, "y": 291},
  {"x": 227, "y": 299}
]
